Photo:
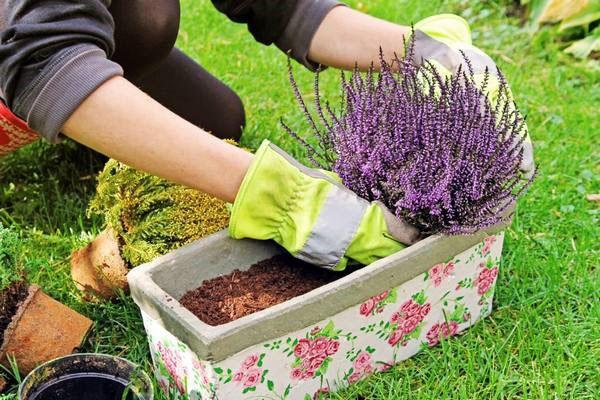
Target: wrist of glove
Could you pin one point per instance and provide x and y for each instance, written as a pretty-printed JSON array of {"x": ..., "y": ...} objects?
[{"x": 312, "y": 215}]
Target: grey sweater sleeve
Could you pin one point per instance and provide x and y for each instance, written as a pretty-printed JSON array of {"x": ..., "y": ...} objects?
[
  {"x": 301, "y": 28},
  {"x": 53, "y": 55},
  {"x": 290, "y": 24}
]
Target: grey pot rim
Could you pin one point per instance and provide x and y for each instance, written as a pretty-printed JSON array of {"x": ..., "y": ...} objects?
[{"x": 141, "y": 373}]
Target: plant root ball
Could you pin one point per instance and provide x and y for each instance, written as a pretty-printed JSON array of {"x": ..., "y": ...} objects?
[{"x": 98, "y": 269}]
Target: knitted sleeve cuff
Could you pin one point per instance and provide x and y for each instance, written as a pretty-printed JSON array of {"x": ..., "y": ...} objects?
[
  {"x": 52, "y": 97},
  {"x": 299, "y": 32}
]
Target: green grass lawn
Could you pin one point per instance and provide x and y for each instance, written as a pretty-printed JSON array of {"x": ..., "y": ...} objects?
[{"x": 543, "y": 339}]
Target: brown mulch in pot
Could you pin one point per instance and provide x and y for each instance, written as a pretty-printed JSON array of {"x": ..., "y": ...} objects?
[{"x": 267, "y": 283}]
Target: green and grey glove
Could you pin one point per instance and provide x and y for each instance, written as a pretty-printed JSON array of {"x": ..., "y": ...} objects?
[
  {"x": 444, "y": 40},
  {"x": 312, "y": 215}
]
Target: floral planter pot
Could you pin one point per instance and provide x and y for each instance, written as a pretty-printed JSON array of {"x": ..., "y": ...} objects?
[{"x": 323, "y": 340}]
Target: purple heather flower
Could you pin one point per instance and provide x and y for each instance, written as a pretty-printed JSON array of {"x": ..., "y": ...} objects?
[{"x": 433, "y": 149}]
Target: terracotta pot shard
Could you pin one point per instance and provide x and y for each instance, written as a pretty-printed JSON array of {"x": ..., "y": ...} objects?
[
  {"x": 98, "y": 269},
  {"x": 41, "y": 330}
]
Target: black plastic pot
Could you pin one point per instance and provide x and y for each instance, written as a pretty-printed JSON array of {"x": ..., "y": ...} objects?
[{"x": 89, "y": 377}]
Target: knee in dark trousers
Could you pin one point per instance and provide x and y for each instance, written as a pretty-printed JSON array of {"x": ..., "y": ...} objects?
[
  {"x": 183, "y": 86},
  {"x": 145, "y": 33},
  {"x": 236, "y": 119}
]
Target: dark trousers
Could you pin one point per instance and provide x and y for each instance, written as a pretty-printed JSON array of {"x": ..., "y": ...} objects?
[{"x": 145, "y": 34}]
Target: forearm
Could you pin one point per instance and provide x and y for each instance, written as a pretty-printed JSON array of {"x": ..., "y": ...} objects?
[
  {"x": 347, "y": 38},
  {"x": 122, "y": 122}
]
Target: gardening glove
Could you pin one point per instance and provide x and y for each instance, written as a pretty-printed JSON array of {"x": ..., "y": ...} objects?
[
  {"x": 312, "y": 215},
  {"x": 444, "y": 41}
]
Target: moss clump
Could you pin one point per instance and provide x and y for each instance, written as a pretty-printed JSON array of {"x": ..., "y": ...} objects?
[{"x": 152, "y": 216}]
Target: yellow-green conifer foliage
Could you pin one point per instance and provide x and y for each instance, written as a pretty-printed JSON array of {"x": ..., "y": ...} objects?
[{"x": 151, "y": 215}]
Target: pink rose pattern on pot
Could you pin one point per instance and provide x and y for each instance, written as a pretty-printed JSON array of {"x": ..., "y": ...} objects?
[
  {"x": 319, "y": 392},
  {"x": 374, "y": 305},
  {"x": 410, "y": 324},
  {"x": 425, "y": 310},
  {"x": 488, "y": 242},
  {"x": 382, "y": 296},
  {"x": 384, "y": 366},
  {"x": 367, "y": 307},
  {"x": 363, "y": 362},
  {"x": 486, "y": 278},
  {"x": 320, "y": 355},
  {"x": 238, "y": 376},
  {"x": 249, "y": 374},
  {"x": 319, "y": 347},
  {"x": 441, "y": 330},
  {"x": 203, "y": 374},
  {"x": 395, "y": 337},
  {"x": 310, "y": 356},
  {"x": 250, "y": 361},
  {"x": 406, "y": 320},
  {"x": 252, "y": 377},
  {"x": 354, "y": 377},
  {"x": 439, "y": 272},
  {"x": 361, "y": 366},
  {"x": 171, "y": 360},
  {"x": 302, "y": 348}
]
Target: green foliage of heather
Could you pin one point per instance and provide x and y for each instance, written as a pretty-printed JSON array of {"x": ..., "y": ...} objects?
[{"x": 152, "y": 216}]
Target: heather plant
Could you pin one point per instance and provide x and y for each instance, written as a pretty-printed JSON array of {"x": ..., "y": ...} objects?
[{"x": 433, "y": 148}]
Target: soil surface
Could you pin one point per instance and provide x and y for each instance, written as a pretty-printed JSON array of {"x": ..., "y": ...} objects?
[
  {"x": 10, "y": 299},
  {"x": 269, "y": 282},
  {"x": 83, "y": 386}
]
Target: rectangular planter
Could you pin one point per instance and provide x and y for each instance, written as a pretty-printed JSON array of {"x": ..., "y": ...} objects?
[{"x": 330, "y": 337}]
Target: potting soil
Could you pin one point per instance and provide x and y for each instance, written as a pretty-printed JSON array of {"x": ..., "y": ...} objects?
[
  {"x": 267, "y": 283},
  {"x": 10, "y": 299},
  {"x": 83, "y": 386}
]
